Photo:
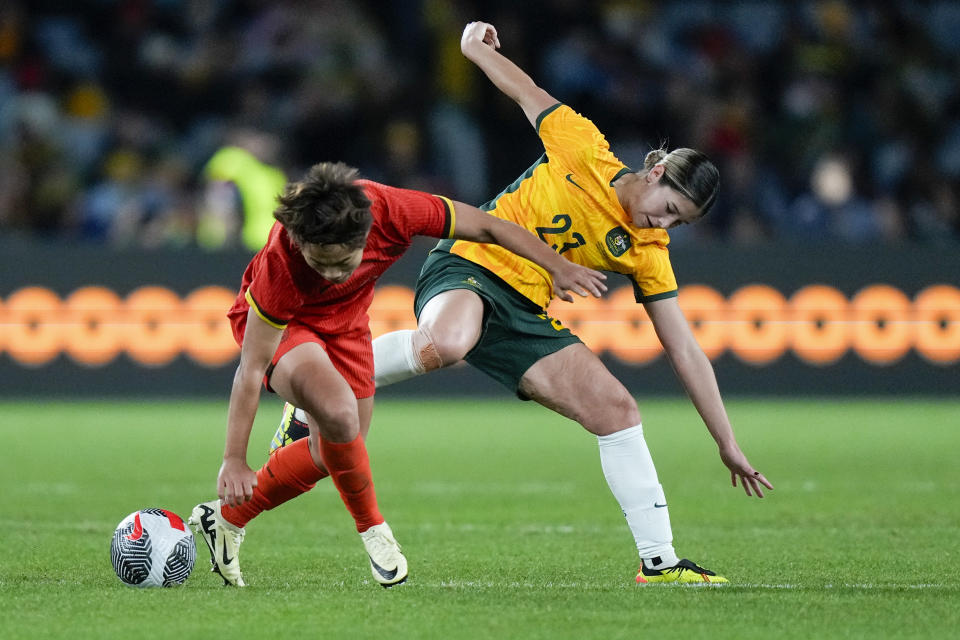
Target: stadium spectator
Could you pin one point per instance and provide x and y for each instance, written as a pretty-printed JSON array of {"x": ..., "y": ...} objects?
[
  {"x": 242, "y": 170},
  {"x": 770, "y": 89}
]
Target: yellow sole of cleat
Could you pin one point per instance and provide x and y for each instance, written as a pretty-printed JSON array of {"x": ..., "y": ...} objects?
[{"x": 693, "y": 579}]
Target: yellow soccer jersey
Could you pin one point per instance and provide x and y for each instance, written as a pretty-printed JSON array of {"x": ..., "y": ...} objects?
[{"x": 566, "y": 198}]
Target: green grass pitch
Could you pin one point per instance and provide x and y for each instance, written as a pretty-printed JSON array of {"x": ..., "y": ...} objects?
[{"x": 507, "y": 523}]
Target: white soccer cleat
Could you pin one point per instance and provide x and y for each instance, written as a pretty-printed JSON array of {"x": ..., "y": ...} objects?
[
  {"x": 222, "y": 538},
  {"x": 387, "y": 563}
]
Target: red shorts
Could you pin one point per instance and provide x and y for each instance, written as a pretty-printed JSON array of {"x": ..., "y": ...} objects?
[{"x": 350, "y": 352}]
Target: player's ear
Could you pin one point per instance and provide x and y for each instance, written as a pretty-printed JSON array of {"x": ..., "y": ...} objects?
[{"x": 655, "y": 173}]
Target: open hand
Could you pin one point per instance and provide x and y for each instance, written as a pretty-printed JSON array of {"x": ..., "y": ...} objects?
[
  {"x": 750, "y": 479},
  {"x": 581, "y": 280}
]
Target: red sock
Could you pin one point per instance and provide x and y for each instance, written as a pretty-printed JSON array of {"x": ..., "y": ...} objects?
[
  {"x": 350, "y": 471},
  {"x": 288, "y": 472}
]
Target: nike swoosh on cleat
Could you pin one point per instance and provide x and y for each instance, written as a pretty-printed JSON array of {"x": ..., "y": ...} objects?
[
  {"x": 386, "y": 575},
  {"x": 570, "y": 180},
  {"x": 226, "y": 559}
]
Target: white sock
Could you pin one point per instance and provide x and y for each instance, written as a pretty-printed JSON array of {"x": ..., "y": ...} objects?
[
  {"x": 632, "y": 478},
  {"x": 394, "y": 359}
]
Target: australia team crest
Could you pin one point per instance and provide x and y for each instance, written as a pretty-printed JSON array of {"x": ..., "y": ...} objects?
[{"x": 618, "y": 241}]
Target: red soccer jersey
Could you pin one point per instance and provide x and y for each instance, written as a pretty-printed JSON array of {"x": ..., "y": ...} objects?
[{"x": 281, "y": 286}]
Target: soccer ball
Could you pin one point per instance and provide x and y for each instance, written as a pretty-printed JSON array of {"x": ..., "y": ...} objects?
[{"x": 152, "y": 548}]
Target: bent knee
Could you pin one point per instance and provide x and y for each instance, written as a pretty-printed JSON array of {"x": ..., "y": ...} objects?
[
  {"x": 611, "y": 414},
  {"x": 338, "y": 422},
  {"x": 437, "y": 349}
]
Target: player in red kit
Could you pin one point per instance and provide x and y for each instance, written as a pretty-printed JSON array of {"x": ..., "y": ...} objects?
[{"x": 301, "y": 320}]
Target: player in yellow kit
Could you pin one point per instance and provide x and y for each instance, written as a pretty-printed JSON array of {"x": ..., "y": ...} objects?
[
  {"x": 480, "y": 303},
  {"x": 568, "y": 199}
]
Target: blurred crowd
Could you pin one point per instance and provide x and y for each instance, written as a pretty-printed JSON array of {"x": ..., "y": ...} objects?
[{"x": 167, "y": 123}]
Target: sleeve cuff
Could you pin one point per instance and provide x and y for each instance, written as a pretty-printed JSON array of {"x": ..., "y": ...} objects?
[
  {"x": 270, "y": 320},
  {"x": 450, "y": 223}
]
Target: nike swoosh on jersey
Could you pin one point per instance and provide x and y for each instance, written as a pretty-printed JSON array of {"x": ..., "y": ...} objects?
[
  {"x": 570, "y": 180},
  {"x": 387, "y": 575},
  {"x": 658, "y": 506}
]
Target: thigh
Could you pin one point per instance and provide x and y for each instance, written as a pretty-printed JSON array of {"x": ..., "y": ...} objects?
[
  {"x": 576, "y": 384},
  {"x": 306, "y": 377},
  {"x": 352, "y": 355},
  {"x": 449, "y": 304},
  {"x": 516, "y": 337},
  {"x": 453, "y": 322}
]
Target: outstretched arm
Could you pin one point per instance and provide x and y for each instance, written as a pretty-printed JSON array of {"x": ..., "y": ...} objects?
[
  {"x": 478, "y": 226},
  {"x": 236, "y": 480},
  {"x": 696, "y": 373},
  {"x": 479, "y": 43}
]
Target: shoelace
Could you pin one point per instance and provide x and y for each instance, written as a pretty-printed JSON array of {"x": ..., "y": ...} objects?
[
  {"x": 695, "y": 568},
  {"x": 681, "y": 567}
]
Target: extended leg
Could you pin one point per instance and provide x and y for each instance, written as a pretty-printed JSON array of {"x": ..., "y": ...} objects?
[{"x": 575, "y": 383}]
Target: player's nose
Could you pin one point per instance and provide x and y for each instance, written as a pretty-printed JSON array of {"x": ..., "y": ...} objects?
[
  {"x": 669, "y": 221},
  {"x": 333, "y": 276}
]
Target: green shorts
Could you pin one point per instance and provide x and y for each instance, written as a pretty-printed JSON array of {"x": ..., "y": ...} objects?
[{"x": 516, "y": 332}]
